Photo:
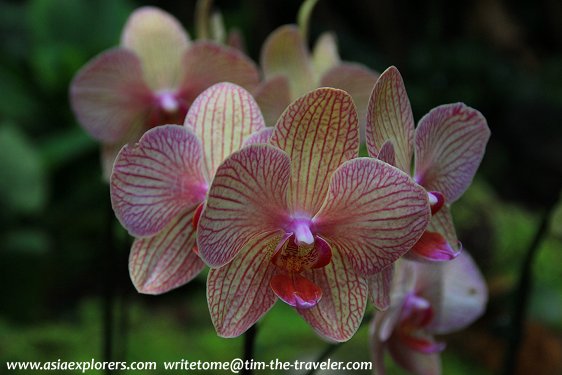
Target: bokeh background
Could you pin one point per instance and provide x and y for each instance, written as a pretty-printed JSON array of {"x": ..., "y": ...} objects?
[{"x": 63, "y": 257}]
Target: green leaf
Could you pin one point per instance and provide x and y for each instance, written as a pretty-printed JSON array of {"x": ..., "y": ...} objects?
[{"x": 22, "y": 179}]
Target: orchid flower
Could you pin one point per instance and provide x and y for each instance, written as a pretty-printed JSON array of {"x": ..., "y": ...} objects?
[
  {"x": 290, "y": 70},
  {"x": 158, "y": 184},
  {"x": 427, "y": 299},
  {"x": 304, "y": 220},
  {"x": 151, "y": 79},
  {"x": 447, "y": 148}
]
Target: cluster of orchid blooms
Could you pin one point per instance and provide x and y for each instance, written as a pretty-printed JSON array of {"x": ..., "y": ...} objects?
[{"x": 263, "y": 183}]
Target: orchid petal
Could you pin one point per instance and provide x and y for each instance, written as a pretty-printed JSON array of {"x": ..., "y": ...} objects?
[
  {"x": 296, "y": 291},
  {"x": 167, "y": 260},
  {"x": 433, "y": 247},
  {"x": 344, "y": 297},
  {"x": 273, "y": 97},
  {"x": 379, "y": 287},
  {"x": 358, "y": 81},
  {"x": 247, "y": 198},
  {"x": 387, "y": 153},
  {"x": 457, "y": 293},
  {"x": 222, "y": 117},
  {"x": 259, "y": 137},
  {"x": 109, "y": 152},
  {"x": 319, "y": 132},
  {"x": 389, "y": 117},
  {"x": 325, "y": 54},
  {"x": 374, "y": 213},
  {"x": 414, "y": 361},
  {"x": 284, "y": 53},
  {"x": 442, "y": 222},
  {"x": 157, "y": 179},
  {"x": 206, "y": 63},
  {"x": 450, "y": 143},
  {"x": 109, "y": 96},
  {"x": 160, "y": 41},
  {"x": 239, "y": 293}
]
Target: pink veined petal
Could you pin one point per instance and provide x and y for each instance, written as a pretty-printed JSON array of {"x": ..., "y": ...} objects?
[
  {"x": 285, "y": 53},
  {"x": 160, "y": 41},
  {"x": 389, "y": 117},
  {"x": 273, "y": 97},
  {"x": 223, "y": 116},
  {"x": 247, "y": 198},
  {"x": 373, "y": 212},
  {"x": 325, "y": 55},
  {"x": 295, "y": 290},
  {"x": 442, "y": 222},
  {"x": 380, "y": 286},
  {"x": 414, "y": 361},
  {"x": 239, "y": 293},
  {"x": 167, "y": 260},
  {"x": 387, "y": 153},
  {"x": 157, "y": 179},
  {"x": 259, "y": 137},
  {"x": 344, "y": 297},
  {"x": 433, "y": 247},
  {"x": 450, "y": 143},
  {"x": 358, "y": 81},
  {"x": 457, "y": 293},
  {"x": 206, "y": 63},
  {"x": 109, "y": 96},
  {"x": 319, "y": 132}
]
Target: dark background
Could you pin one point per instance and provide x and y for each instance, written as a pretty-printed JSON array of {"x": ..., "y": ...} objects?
[{"x": 63, "y": 258}]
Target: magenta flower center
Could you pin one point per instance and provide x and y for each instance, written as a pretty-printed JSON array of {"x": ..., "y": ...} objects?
[{"x": 416, "y": 315}]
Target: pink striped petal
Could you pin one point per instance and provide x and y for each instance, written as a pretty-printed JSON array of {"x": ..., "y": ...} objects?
[
  {"x": 206, "y": 63},
  {"x": 285, "y": 53},
  {"x": 374, "y": 213},
  {"x": 414, "y": 361},
  {"x": 247, "y": 198},
  {"x": 387, "y": 153},
  {"x": 389, "y": 117},
  {"x": 157, "y": 179},
  {"x": 167, "y": 260},
  {"x": 442, "y": 222},
  {"x": 259, "y": 137},
  {"x": 344, "y": 297},
  {"x": 379, "y": 287},
  {"x": 319, "y": 132},
  {"x": 450, "y": 143},
  {"x": 160, "y": 42},
  {"x": 457, "y": 293},
  {"x": 222, "y": 117},
  {"x": 239, "y": 293},
  {"x": 273, "y": 97},
  {"x": 325, "y": 54},
  {"x": 296, "y": 291},
  {"x": 109, "y": 96},
  {"x": 358, "y": 81},
  {"x": 433, "y": 247}
]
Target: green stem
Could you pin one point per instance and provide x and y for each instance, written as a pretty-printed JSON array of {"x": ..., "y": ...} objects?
[{"x": 523, "y": 293}]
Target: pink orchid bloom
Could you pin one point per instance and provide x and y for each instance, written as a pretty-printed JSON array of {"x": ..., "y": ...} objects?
[
  {"x": 290, "y": 70},
  {"x": 158, "y": 184},
  {"x": 427, "y": 299},
  {"x": 447, "y": 147},
  {"x": 304, "y": 220},
  {"x": 151, "y": 79}
]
